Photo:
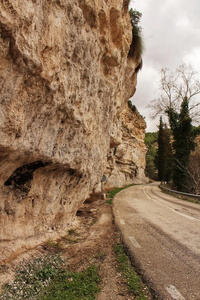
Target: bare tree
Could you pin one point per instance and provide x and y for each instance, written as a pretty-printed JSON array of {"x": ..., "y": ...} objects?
[
  {"x": 194, "y": 172},
  {"x": 191, "y": 171},
  {"x": 174, "y": 87}
]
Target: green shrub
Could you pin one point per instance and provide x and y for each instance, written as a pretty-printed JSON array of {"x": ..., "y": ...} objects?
[{"x": 132, "y": 106}]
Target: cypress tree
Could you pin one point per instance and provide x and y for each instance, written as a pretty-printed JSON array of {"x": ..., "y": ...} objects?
[
  {"x": 161, "y": 153},
  {"x": 168, "y": 154},
  {"x": 183, "y": 144},
  {"x": 164, "y": 153}
]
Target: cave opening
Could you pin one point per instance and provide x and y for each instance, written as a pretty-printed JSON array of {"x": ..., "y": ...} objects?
[{"x": 24, "y": 174}]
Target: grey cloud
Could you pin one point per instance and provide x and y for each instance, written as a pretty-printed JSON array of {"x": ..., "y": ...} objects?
[{"x": 171, "y": 30}]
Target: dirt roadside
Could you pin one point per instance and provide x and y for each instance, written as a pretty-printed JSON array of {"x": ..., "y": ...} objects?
[{"x": 90, "y": 243}]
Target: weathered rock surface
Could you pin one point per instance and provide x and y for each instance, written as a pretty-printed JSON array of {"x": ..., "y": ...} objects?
[
  {"x": 126, "y": 161},
  {"x": 65, "y": 77}
]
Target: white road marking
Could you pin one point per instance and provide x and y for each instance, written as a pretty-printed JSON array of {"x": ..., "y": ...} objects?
[
  {"x": 186, "y": 216},
  {"x": 176, "y": 295},
  {"x": 175, "y": 211},
  {"x": 134, "y": 242},
  {"x": 122, "y": 222}
]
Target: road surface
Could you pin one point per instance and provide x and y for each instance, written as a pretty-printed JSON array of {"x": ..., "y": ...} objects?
[{"x": 163, "y": 235}]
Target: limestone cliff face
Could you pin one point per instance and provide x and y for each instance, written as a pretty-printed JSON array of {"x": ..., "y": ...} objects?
[
  {"x": 126, "y": 161},
  {"x": 65, "y": 77}
]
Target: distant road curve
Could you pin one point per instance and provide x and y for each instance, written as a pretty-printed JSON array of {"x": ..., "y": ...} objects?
[{"x": 163, "y": 234}]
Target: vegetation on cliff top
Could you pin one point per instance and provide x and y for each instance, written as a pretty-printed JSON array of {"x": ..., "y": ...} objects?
[{"x": 137, "y": 45}]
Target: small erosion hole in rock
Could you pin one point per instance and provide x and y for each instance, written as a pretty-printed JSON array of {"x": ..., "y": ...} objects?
[{"x": 79, "y": 213}]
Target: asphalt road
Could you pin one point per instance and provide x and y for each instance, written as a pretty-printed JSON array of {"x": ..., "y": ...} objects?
[{"x": 163, "y": 235}]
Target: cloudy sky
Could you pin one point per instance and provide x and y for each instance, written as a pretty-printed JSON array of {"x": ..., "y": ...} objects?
[{"x": 171, "y": 33}]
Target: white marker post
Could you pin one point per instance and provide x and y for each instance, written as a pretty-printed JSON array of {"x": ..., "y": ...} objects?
[{"x": 102, "y": 181}]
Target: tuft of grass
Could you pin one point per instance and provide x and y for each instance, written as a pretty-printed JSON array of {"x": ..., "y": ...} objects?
[
  {"x": 134, "y": 282},
  {"x": 72, "y": 232},
  {"x": 109, "y": 201},
  {"x": 70, "y": 239},
  {"x": 74, "y": 286},
  {"x": 100, "y": 255},
  {"x": 53, "y": 246},
  {"x": 94, "y": 220}
]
